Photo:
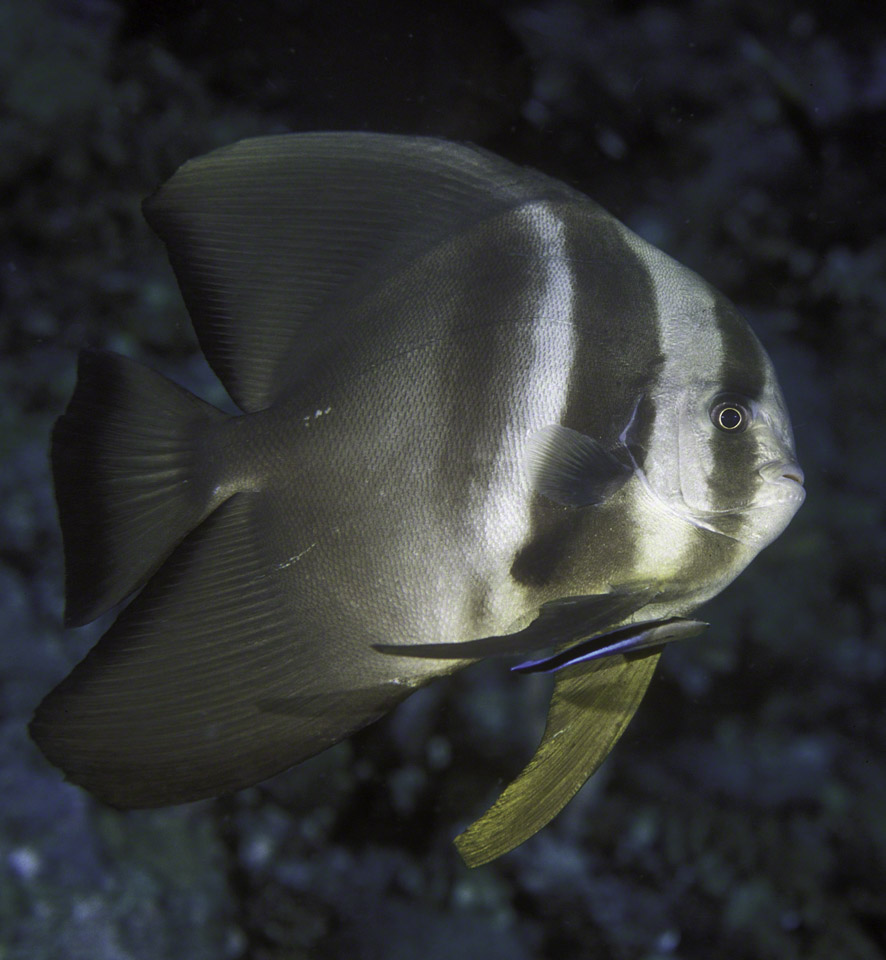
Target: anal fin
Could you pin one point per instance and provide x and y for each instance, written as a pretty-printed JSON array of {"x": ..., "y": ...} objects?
[{"x": 214, "y": 678}]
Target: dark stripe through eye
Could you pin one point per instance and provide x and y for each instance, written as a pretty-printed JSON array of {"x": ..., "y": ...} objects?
[{"x": 730, "y": 415}]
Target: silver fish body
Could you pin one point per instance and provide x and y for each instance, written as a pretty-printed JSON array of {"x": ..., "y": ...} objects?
[{"x": 479, "y": 416}]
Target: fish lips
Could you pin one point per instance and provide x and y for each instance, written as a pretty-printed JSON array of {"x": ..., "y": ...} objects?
[{"x": 786, "y": 480}]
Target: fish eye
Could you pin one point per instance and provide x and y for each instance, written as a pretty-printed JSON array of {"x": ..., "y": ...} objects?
[{"x": 730, "y": 415}]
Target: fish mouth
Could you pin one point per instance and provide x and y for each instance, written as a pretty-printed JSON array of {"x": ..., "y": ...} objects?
[
  {"x": 787, "y": 476},
  {"x": 784, "y": 481}
]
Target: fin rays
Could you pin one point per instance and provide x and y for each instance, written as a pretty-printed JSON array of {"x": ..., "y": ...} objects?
[
  {"x": 590, "y": 709},
  {"x": 123, "y": 467},
  {"x": 293, "y": 228},
  {"x": 171, "y": 705}
]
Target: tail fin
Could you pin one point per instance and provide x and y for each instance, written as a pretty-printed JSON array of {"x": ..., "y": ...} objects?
[{"x": 124, "y": 463}]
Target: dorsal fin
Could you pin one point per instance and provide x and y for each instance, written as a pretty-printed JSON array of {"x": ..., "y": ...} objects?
[{"x": 272, "y": 238}]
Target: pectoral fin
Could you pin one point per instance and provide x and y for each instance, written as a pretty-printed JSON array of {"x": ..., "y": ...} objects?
[
  {"x": 591, "y": 706},
  {"x": 573, "y": 469}
]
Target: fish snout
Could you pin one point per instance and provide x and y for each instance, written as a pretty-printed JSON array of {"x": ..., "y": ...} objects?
[{"x": 787, "y": 476}]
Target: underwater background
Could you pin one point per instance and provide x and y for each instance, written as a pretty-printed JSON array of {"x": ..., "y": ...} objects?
[{"x": 743, "y": 815}]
